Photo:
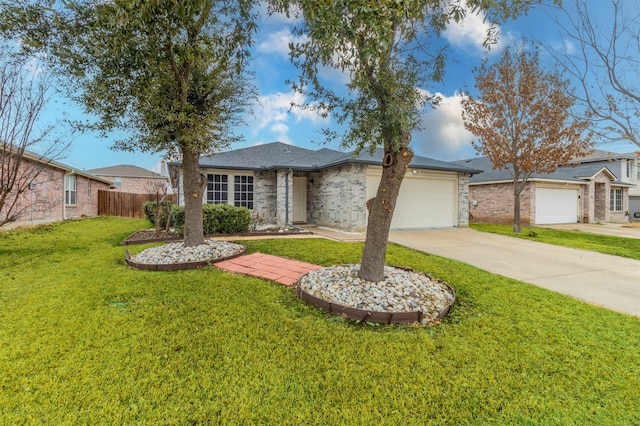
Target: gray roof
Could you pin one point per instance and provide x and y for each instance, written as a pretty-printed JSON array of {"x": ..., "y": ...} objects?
[
  {"x": 125, "y": 170},
  {"x": 67, "y": 169},
  {"x": 578, "y": 174},
  {"x": 278, "y": 155},
  {"x": 601, "y": 155}
]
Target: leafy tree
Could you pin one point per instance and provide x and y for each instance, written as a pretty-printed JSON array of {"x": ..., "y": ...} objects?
[
  {"x": 24, "y": 92},
  {"x": 522, "y": 119},
  {"x": 604, "y": 66},
  {"x": 384, "y": 47},
  {"x": 172, "y": 73}
]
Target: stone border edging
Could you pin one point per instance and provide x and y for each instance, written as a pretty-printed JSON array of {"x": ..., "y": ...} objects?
[
  {"x": 383, "y": 317},
  {"x": 178, "y": 266},
  {"x": 242, "y": 234}
]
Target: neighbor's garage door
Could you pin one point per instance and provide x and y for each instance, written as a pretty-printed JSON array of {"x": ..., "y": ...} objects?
[
  {"x": 556, "y": 205},
  {"x": 426, "y": 200}
]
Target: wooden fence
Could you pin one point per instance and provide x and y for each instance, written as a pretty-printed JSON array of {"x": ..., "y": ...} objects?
[{"x": 124, "y": 204}]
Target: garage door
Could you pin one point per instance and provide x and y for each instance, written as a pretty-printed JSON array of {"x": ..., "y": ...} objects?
[
  {"x": 426, "y": 200},
  {"x": 556, "y": 206}
]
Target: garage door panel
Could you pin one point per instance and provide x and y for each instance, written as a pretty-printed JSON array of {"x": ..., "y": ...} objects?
[
  {"x": 423, "y": 202},
  {"x": 554, "y": 205}
]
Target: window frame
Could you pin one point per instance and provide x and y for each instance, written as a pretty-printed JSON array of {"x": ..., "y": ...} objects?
[
  {"x": 117, "y": 181},
  {"x": 70, "y": 194},
  {"x": 217, "y": 191},
  {"x": 244, "y": 191},
  {"x": 615, "y": 200}
]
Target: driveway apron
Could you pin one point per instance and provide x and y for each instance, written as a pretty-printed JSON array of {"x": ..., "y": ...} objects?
[{"x": 609, "y": 281}]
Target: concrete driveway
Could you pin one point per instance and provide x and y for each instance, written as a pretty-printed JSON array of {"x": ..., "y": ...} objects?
[
  {"x": 626, "y": 230},
  {"x": 609, "y": 281}
]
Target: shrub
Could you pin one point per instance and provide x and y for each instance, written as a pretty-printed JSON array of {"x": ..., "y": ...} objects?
[
  {"x": 150, "y": 208},
  {"x": 216, "y": 218}
]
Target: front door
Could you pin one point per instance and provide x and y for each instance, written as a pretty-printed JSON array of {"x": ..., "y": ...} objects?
[{"x": 299, "y": 199}]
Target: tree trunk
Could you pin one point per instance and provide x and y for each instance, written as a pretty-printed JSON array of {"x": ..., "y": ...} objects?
[
  {"x": 381, "y": 212},
  {"x": 516, "y": 209},
  {"x": 193, "y": 183}
]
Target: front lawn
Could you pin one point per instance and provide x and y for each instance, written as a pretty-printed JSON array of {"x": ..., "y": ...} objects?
[
  {"x": 618, "y": 246},
  {"x": 86, "y": 340}
]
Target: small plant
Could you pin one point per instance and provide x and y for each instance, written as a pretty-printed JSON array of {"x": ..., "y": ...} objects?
[
  {"x": 159, "y": 208},
  {"x": 216, "y": 219}
]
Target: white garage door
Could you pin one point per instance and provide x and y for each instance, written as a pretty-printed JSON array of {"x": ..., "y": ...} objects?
[
  {"x": 556, "y": 206},
  {"x": 426, "y": 200}
]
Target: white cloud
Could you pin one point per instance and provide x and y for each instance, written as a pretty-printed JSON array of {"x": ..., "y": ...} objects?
[
  {"x": 274, "y": 112},
  {"x": 443, "y": 135},
  {"x": 471, "y": 32},
  {"x": 278, "y": 42}
]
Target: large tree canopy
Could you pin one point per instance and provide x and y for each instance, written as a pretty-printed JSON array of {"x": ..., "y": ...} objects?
[
  {"x": 384, "y": 47},
  {"x": 171, "y": 73},
  {"x": 522, "y": 119}
]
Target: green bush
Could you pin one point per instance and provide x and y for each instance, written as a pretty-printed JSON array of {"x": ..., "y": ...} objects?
[
  {"x": 150, "y": 208},
  {"x": 216, "y": 218}
]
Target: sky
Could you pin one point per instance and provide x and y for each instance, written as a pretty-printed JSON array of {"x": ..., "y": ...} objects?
[{"x": 442, "y": 136}]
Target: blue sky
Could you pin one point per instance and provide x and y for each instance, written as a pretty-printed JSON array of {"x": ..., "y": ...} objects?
[{"x": 443, "y": 136}]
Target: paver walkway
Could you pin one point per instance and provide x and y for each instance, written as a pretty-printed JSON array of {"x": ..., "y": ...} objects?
[{"x": 274, "y": 268}]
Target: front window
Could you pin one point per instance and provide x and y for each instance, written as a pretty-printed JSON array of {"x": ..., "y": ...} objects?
[
  {"x": 89, "y": 188},
  {"x": 70, "y": 190},
  {"x": 243, "y": 191},
  {"x": 615, "y": 200},
  {"x": 217, "y": 189},
  {"x": 117, "y": 181}
]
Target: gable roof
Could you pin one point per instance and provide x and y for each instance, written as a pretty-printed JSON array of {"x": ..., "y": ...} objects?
[
  {"x": 65, "y": 168},
  {"x": 602, "y": 155},
  {"x": 580, "y": 173},
  {"x": 277, "y": 155},
  {"x": 125, "y": 170}
]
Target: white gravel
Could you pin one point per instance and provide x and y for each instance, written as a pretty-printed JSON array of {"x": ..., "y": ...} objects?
[
  {"x": 177, "y": 253},
  {"x": 401, "y": 291}
]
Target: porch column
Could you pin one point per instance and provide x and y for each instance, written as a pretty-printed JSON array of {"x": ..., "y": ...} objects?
[{"x": 284, "y": 197}]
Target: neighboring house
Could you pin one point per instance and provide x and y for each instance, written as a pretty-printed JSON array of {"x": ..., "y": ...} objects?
[
  {"x": 59, "y": 192},
  {"x": 626, "y": 167},
  {"x": 134, "y": 179},
  {"x": 285, "y": 184},
  {"x": 588, "y": 193}
]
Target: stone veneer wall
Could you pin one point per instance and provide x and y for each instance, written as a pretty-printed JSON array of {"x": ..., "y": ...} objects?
[
  {"x": 495, "y": 203},
  {"x": 265, "y": 196},
  {"x": 463, "y": 200},
  {"x": 284, "y": 204},
  {"x": 337, "y": 197}
]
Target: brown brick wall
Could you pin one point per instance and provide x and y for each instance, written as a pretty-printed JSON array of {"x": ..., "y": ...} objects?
[
  {"x": 140, "y": 185},
  {"x": 493, "y": 203}
]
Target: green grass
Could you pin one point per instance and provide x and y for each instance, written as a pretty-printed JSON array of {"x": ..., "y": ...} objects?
[
  {"x": 86, "y": 340},
  {"x": 618, "y": 246}
]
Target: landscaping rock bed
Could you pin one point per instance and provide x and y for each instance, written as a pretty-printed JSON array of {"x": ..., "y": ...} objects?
[
  {"x": 174, "y": 256},
  {"x": 405, "y": 296},
  {"x": 149, "y": 235}
]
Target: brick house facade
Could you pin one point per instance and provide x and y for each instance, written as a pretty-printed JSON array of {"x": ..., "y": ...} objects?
[
  {"x": 590, "y": 190},
  {"x": 132, "y": 179},
  {"x": 58, "y": 192},
  {"x": 329, "y": 188}
]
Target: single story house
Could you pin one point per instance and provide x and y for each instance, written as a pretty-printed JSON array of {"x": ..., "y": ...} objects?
[
  {"x": 626, "y": 166},
  {"x": 285, "y": 184},
  {"x": 133, "y": 179},
  {"x": 586, "y": 192},
  {"x": 58, "y": 192}
]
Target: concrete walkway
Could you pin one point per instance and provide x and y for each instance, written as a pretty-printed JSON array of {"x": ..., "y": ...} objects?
[{"x": 609, "y": 281}]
